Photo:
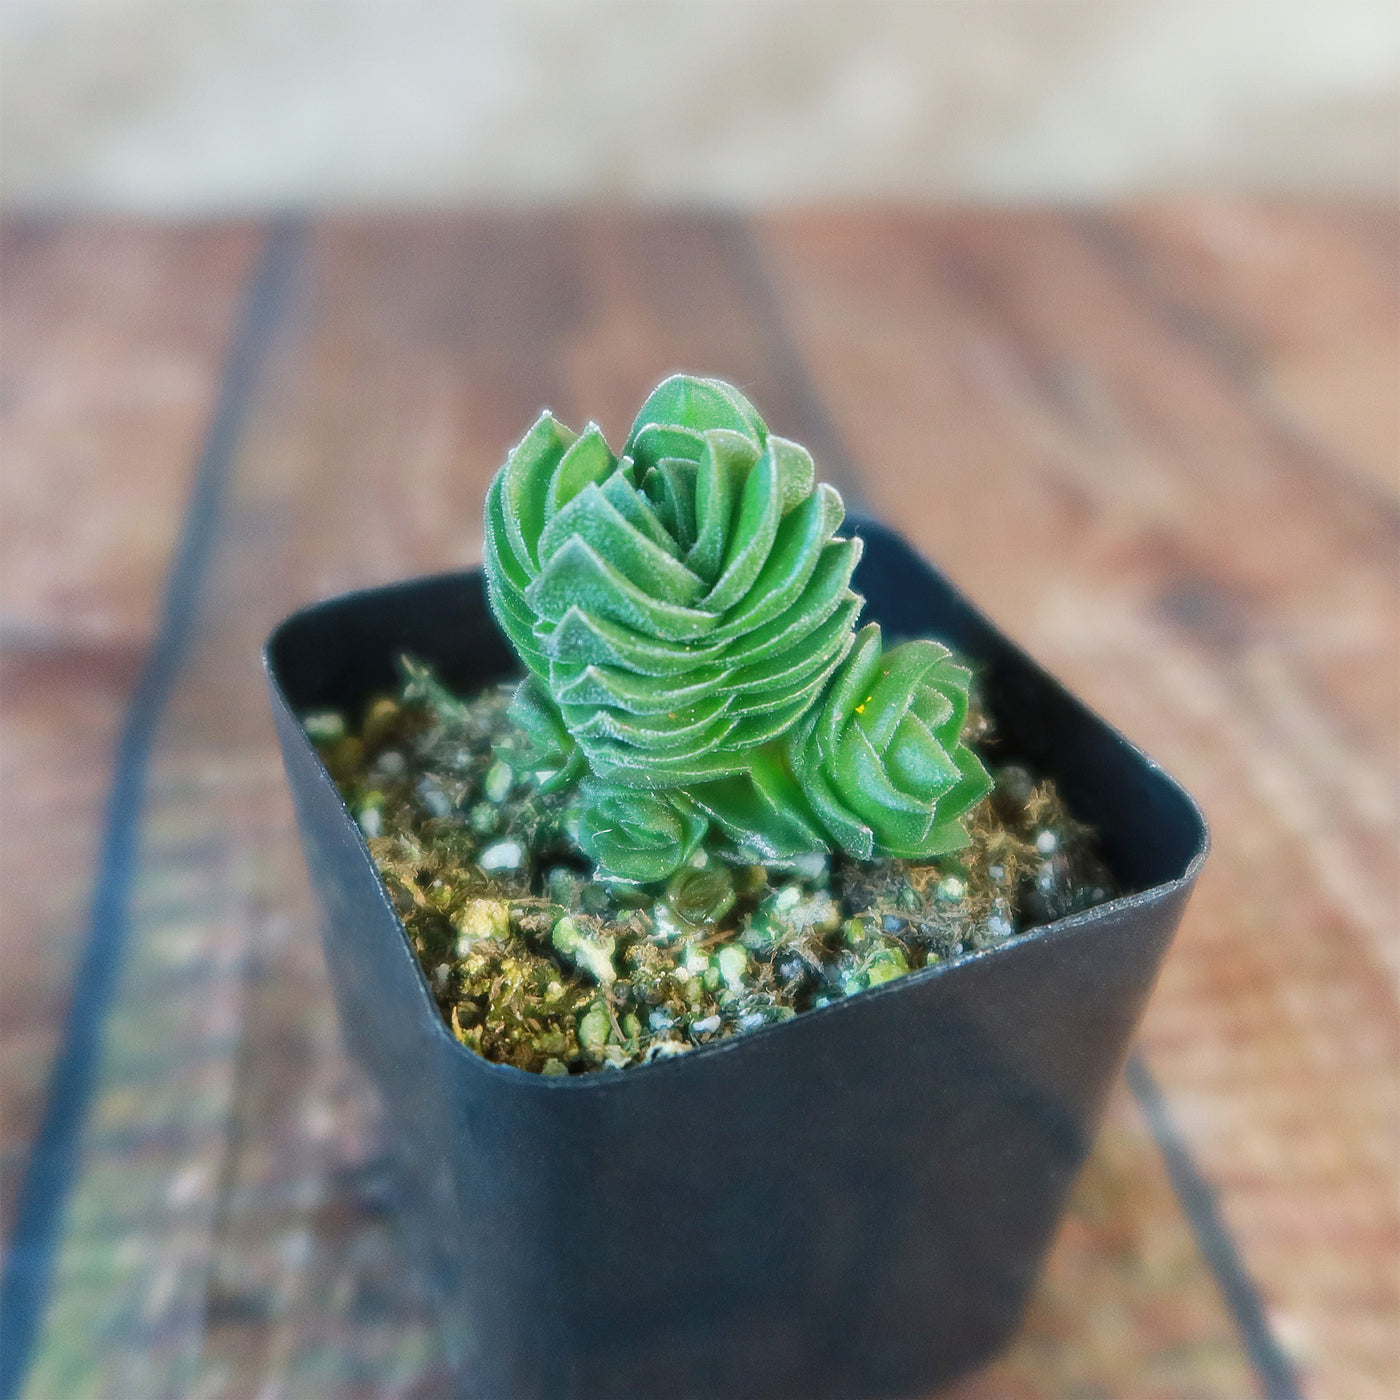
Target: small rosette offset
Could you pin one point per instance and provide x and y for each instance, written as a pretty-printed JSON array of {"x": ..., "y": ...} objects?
[
  {"x": 541, "y": 743},
  {"x": 881, "y": 758},
  {"x": 638, "y": 836},
  {"x": 683, "y": 604}
]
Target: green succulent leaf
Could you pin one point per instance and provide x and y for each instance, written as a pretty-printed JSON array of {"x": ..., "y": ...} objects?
[
  {"x": 881, "y": 758},
  {"x": 528, "y": 472},
  {"x": 546, "y": 746},
  {"x": 761, "y": 813},
  {"x": 683, "y": 401},
  {"x": 638, "y": 836},
  {"x": 685, "y": 613},
  {"x": 587, "y": 462}
]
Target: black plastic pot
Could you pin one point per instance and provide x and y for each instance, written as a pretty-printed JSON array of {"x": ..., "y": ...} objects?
[{"x": 851, "y": 1203}]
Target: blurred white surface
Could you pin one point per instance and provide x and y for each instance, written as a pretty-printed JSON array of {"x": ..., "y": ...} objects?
[{"x": 191, "y": 106}]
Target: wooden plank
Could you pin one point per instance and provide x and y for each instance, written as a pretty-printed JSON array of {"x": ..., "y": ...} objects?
[
  {"x": 432, "y": 344},
  {"x": 1299, "y": 304},
  {"x": 377, "y": 424},
  {"x": 60, "y": 711},
  {"x": 1088, "y": 470},
  {"x": 125, "y": 1255},
  {"x": 229, "y": 1236},
  {"x": 110, "y": 358},
  {"x": 423, "y": 349}
]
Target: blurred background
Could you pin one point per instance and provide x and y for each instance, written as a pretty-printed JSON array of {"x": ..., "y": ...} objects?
[
  {"x": 209, "y": 106},
  {"x": 1098, "y": 301}
]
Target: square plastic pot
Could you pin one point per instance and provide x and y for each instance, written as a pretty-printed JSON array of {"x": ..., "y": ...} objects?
[{"x": 855, "y": 1202}]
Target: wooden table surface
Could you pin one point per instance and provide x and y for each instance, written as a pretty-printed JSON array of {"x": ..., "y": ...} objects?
[{"x": 1159, "y": 446}]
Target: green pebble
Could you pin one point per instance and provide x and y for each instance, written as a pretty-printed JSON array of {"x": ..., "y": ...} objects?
[
  {"x": 856, "y": 933},
  {"x": 324, "y": 727},
  {"x": 382, "y": 715},
  {"x": 588, "y": 953},
  {"x": 733, "y": 964},
  {"x": 950, "y": 890},
  {"x": 750, "y": 879},
  {"x": 594, "y": 1027},
  {"x": 484, "y": 819},
  {"x": 885, "y": 966},
  {"x": 499, "y": 778},
  {"x": 551, "y": 1069}
]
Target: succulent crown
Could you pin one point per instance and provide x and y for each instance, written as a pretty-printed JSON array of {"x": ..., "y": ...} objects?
[{"x": 684, "y": 611}]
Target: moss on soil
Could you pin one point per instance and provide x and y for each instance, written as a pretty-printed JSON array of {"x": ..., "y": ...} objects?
[{"x": 535, "y": 964}]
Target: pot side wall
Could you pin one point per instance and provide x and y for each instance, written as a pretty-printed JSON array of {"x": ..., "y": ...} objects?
[{"x": 855, "y": 1202}]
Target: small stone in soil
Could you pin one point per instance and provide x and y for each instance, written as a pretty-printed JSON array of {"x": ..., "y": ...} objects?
[{"x": 504, "y": 855}]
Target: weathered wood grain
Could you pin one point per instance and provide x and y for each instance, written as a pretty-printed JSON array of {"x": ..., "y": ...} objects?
[
  {"x": 109, "y": 361},
  {"x": 1298, "y": 305},
  {"x": 1089, "y": 420},
  {"x": 407, "y": 349},
  {"x": 1128, "y": 506}
]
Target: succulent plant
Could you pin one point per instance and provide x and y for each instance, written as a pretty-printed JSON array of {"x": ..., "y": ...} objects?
[
  {"x": 685, "y": 616},
  {"x": 881, "y": 758},
  {"x": 639, "y": 834}
]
